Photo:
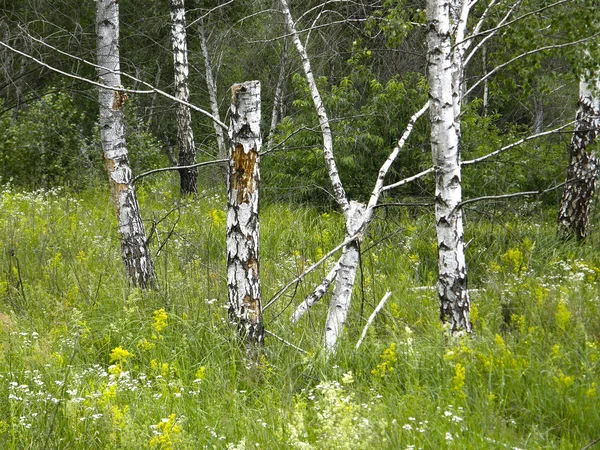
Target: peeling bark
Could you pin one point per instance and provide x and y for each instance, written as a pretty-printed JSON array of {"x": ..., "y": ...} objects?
[
  {"x": 582, "y": 172},
  {"x": 134, "y": 249},
  {"x": 185, "y": 135},
  {"x": 444, "y": 91},
  {"x": 243, "y": 281}
]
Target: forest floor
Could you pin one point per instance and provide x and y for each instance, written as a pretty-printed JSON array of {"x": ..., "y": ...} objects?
[{"x": 88, "y": 362}]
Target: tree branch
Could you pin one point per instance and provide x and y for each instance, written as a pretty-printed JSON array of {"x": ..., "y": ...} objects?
[
  {"x": 372, "y": 318},
  {"x": 513, "y": 195},
  {"x": 151, "y": 89},
  {"x": 167, "y": 169},
  {"x": 515, "y": 144}
]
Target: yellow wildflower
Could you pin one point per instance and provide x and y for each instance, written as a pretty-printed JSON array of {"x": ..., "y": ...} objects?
[
  {"x": 119, "y": 354},
  {"x": 159, "y": 320},
  {"x": 166, "y": 433}
]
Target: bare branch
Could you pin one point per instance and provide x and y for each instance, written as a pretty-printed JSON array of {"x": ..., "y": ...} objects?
[
  {"x": 206, "y": 14},
  {"x": 513, "y": 195},
  {"x": 310, "y": 269},
  {"x": 151, "y": 89},
  {"x": 523, "y": 55},
  {"x": 516, "y": 144},
  {"x": 489, "y": 36},
  {"x": 492, "y": 30},
  {"x": 338, "y": 188},
  {"x": 407, "y": 180},
  {"x": 372, "y": 318},
  {"x": 286, "y": 342},
  {"x": 316, "y": 295},
  {"x": 167, "y": 169}
]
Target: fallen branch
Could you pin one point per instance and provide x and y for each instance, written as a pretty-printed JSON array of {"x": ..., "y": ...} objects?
[
  {"x": 309, "y": 270},
  {"x": 317, "y": 294},
  {"x": 286, "y": 342},
  {"x": 372, "y": 318}
]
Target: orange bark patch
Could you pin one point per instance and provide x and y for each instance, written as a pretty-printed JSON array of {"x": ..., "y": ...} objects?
[
  {"x": 243, "y": 172},
  {"x": 252, "y": 308},
  {"x": 119, "y": 100}
]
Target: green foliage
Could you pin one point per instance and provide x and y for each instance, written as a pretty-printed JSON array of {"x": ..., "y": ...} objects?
[
  {"x": 45, "y": 144},
  {"x": 367, "y": 118}
]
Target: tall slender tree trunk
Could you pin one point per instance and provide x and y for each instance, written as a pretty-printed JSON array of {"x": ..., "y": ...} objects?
[
  {"x": 212, "y": 90},
  {"x": 134, "y": 249},
  {"x": 185, "y": 135},
  {"x": 582, "y": 173},
  {"x": 445, "y": 104},
  {"x": 243, "y": 281}
]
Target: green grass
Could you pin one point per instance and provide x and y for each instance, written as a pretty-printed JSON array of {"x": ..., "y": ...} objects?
[{"x": 527, "y": 378}]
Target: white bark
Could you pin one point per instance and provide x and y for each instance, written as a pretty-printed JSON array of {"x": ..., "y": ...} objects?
[
  {"x": 338, "y": 188},
  {"x": 243, "y": 281},
  {"x": 278, "y": 100},
  {"x": 212, "y": 89},
  {"x": 344, "y": 284},
  {"x": 185, "y": 134},
  {"x": 445, "y": 103},
  {"x": 135, "y": 253},
  {"x": 582, "y": 173},
  {"x": 316, "y": 295},
  {"x": 372, "y": 318}
]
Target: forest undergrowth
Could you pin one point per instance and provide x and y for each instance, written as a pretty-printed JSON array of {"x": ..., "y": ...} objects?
[{"x": 88, "y": 362}]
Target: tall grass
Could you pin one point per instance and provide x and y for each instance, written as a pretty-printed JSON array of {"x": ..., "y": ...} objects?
[{"x": 88, "y": 362}]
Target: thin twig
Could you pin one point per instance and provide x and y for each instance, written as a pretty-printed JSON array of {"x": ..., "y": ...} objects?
[
  {"x": 513, "y": 195},
  {"x": 591, "y": 444},
  {"x": 166, "y": 169},
  {"x": 151, "y": 89},
  {"x": 515, "y": 144},
  {"x": 286, "y": 342}
]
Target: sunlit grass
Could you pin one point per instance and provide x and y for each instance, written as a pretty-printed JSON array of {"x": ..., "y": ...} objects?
[{"x": 88, "y": 362}]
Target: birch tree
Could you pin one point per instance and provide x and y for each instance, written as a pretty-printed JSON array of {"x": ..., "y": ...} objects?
[
  {"x": 134, "y": 248},
  {"x": 243, "y": 281},
  {"x": 357, "y": 215},
  {"x": 445, "y": 82},
  {"x": 582, "y": 172},
  {"x": 185, "y": 135},
  {"x": 212, "y": 89}
]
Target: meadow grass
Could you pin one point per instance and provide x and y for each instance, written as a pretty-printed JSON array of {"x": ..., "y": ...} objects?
[{"x": 88, "y": 362}]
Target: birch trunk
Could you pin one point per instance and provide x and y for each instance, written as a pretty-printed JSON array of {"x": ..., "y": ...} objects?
[
  {"x": 212, "y": 90},
  {"x": 185, "y": 135},
  {"x": 443, "y": 83},
  {"x": 582, "y": 173},
  {"x": 346, "y": 274},
  {"x": 134, "y": 249},
  {"x": 243, "y": 282}
]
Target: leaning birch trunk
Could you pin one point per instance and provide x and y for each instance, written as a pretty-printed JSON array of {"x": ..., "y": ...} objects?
[
  {"x": 452, "y": 277},
  {"x": 188, "y": 178},
  {"x": 582, "y": 173},
  {"x": 344, "y": 283},
  {"x": 243, "y": 281},
  {"x": 134, "y": 249},
  {"x": 353, "y": 211}
]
